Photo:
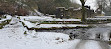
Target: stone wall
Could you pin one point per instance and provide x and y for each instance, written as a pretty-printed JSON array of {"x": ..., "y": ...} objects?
[{"x": 62, "y": 12}]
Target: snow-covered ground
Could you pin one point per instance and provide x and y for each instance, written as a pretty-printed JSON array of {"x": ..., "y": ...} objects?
[
  {"x": 90, "y": 44},
  {"x": 8, "y": 17},
  {"x": 59, "y": 25},
  {"x": 32, "y": 25},
  {"x": 37, "y": 19},
  {"x": 45, "y": 18},
  {"x": 15, "y": 39},
  {"x": 100, "y": 18},
  {"x": 54, "y": 19},
  {"x": 108, "y": 24},
  {"x": 103, "y": 16},
  {"x": 28, "y": 24},
  {"x": 12, "y": 37},
  {"x": 97, "y": 18}
]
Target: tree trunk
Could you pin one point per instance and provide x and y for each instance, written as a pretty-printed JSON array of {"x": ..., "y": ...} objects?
[{"x": 83, "y": 11}]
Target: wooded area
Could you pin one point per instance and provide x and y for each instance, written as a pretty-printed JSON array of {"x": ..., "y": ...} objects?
[{"x": 23, "y": 7}]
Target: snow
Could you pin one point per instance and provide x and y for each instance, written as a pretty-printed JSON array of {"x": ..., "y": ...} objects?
[
  {"x": 34, "y": 18},
  {"x": 3, "y": 20},
  {"x": 53, "y": 36},
  {"x": 108, "y": 24},
  {"x": 96, "y": 18},
  {"x": 100, "y": 18},
  {"x": 40, "y": 14},
  {"x": 26, "y": 20},
  {"x": 93, "y": 36},
  {"x": 75, "y": 25},
  {"x": 45, "y": 18},
  {"x": 50, "y": 25},
  {"x": 32, "y": 25},
  {"x": 59, "y": 25},
  {"x": 8, "y": 17},
  {"x": 51, "y": 40},
  {"x": 63, "y": 20},
  {"x": 51, "y": 15},
  {"x": 107, "y": 17},
  {"x": 106, "y": 36},
  {"x": 92, "y": 45},
  {"x": 12, "y": 37},
  {"x": 28, "y": 24}
]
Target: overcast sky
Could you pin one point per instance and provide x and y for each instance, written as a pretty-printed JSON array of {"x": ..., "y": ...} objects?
[{"x": 91, "y": 3}]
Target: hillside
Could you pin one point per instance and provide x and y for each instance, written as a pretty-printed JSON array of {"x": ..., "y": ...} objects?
[
  {"x": 30, "y": 7},
  {"x": 18, "y": 7}
]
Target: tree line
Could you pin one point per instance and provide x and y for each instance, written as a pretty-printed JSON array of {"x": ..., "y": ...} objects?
[
  {"x": 105, "y": 6},
  {"x": 23, "y": 7},
  {"x": 49, "y": 6}
]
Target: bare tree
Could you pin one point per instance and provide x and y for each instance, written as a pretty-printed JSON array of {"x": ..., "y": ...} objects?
[
  {"x": 104, "y": 5},
  {"x": 83, "y": 10}
]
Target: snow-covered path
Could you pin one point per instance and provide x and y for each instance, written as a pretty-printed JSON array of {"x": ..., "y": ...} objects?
[
  {"x": 12, "y": 37},
  {"x": 90, "y": 44}
]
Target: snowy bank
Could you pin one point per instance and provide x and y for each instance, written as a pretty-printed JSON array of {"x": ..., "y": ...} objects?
[
  {"x": 13, "y": 38},
  {"x": 103, "y": 17},
  {"x": 28, "y": 24},
  {"x": 96, "y": 19},
  {"x": 5, "y": 21},
  {"x": 45, "y": 18},
  {"x": 8, "y": 17},
  {"x": 34, "y": 18},
  {"x": 63, "y": 20},
  {"x": 59, "y": 25},
  {"x": 108, "y": 24}
]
